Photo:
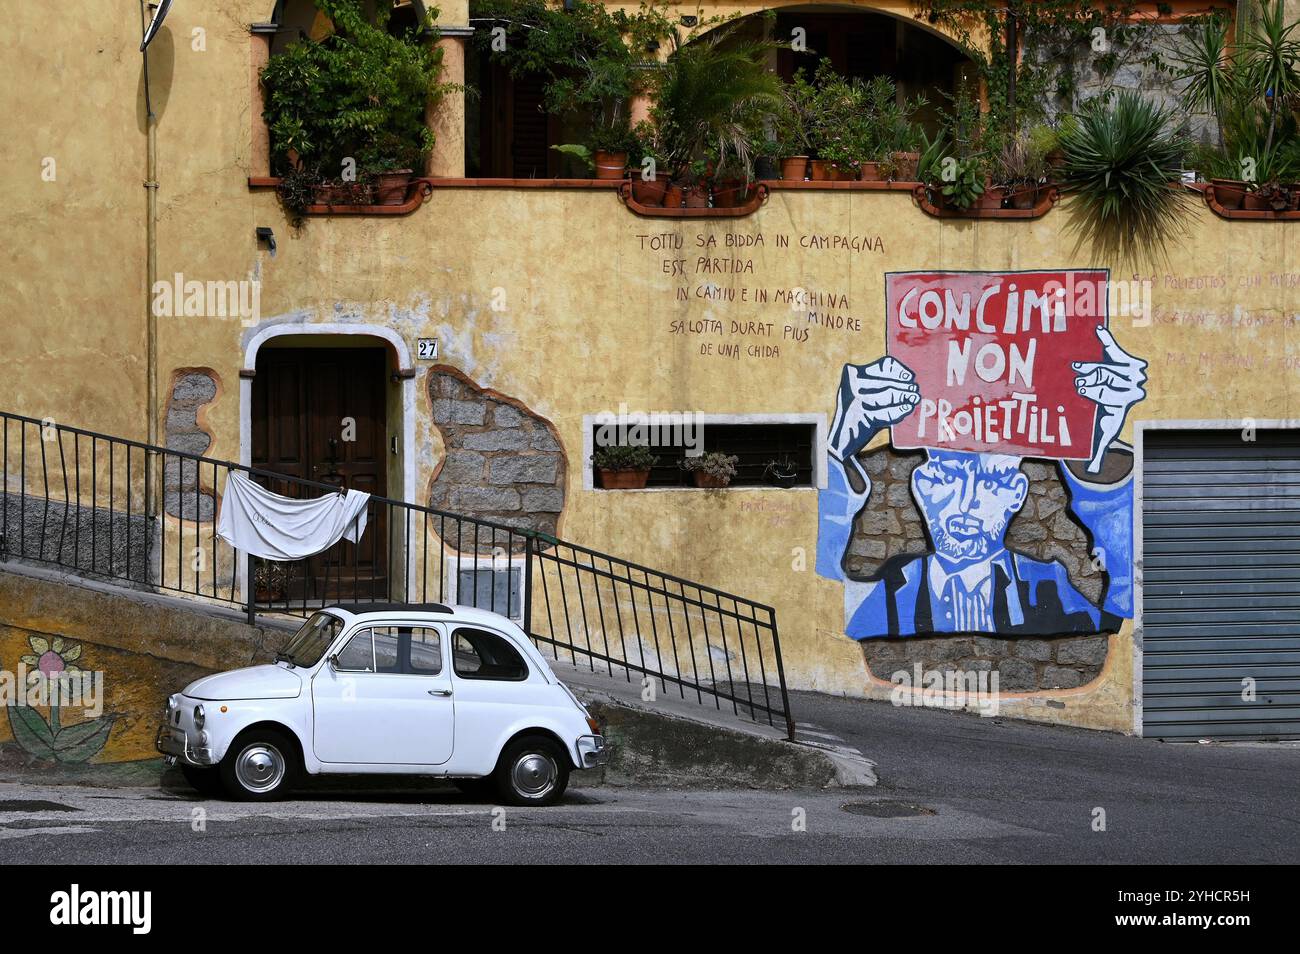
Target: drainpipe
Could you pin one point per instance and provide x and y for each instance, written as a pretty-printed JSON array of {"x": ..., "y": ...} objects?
[{"x": 151, "y": 259}]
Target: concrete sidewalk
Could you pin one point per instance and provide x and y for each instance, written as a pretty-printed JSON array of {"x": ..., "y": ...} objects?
[{"x": 664, "y": 735}]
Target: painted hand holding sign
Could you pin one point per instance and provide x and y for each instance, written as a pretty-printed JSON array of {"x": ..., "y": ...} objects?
[{"x": 984, "y": 369}]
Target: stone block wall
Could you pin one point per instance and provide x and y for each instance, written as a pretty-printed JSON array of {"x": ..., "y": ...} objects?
[
  {"x": 501, "y": 461},
  {"x": 890, "y": 525},
  {"x": 183, "y": 493}
]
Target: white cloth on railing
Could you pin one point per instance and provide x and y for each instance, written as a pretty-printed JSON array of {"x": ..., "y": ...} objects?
[{"x": 256, "y": 521}]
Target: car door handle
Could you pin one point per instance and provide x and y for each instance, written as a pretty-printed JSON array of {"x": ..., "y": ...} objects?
[{"x": 439, "y": 692}]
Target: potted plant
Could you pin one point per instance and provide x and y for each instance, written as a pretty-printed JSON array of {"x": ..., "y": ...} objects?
[
  {"x": 731, "y": 183},
  {"x": 841, "y": 134},
  {"x": 888, "y": 137},
  {"x": 623, "y": 467},
  {"x": 900, "y": 136},
  {"x": 695, "y": 184},
  {"x": 793, "y": 124},
  {"x": 270, "y": 580},
  {"x": 714, "y": 469},
  {"x": 590, "y": 60},
  {"x": 781, "y": 472},
  {"x": 713, "y": 99},
  {"x": 1045, "y": 142},
  {"x": 647, "y": 167},
  {"x": 965, "y": 188},
  {"x": 1123, "y": 162},
  {"x": 1019, "y": 170},
  {"x": 347, "y": 112}
]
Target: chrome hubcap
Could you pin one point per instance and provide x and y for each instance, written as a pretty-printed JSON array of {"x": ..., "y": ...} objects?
[
  {"x": 534, "y": 775},
  {"x": 260, "y": 767}
]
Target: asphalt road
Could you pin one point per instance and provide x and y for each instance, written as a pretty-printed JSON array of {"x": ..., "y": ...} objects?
[{"x": 953, "y": 788}]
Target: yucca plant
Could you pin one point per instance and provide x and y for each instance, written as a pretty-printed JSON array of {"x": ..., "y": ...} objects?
[
  {"x": 1272, "y": 55},
  {"x": 1123, "y": 163},
  {"x": 714, "y": 96},
  {"x": 1208, "y": 70}
]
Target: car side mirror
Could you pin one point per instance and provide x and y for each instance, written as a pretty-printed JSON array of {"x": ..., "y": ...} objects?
[{"x": 334, "y": 662}]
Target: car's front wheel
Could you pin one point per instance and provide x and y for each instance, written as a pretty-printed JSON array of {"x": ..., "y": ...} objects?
[
  {"x": 260, "y": 766},
  {"x": 532, "y": 771}
]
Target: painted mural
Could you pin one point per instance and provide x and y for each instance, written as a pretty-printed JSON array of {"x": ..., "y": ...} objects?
[{"x": 984, "y": 370}]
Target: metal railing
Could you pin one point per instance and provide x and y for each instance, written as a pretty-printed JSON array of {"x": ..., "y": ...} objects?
[{"x": 129, "y": 512}]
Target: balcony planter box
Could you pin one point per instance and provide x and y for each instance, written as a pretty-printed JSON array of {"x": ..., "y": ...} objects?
[
  {"x": 794, "y": 168},
  {"x": 344, "y": 193},
  {"x": 391, "y": 187},
  {"x": 650, "y": 191},
  {"x": 1230, "y": 193},
  {"x": 1022, "y": 195},
  {"x": 623, "y": 479},
  {"x": 1254, "y": 202},
  {"x": 610, "y": 165}
]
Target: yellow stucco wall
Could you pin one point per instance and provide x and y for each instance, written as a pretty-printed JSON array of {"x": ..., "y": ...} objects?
[{"x": 588, "y": 306}]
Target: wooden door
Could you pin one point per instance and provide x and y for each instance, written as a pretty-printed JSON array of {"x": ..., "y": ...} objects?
[{"x": 321, "y": 414}]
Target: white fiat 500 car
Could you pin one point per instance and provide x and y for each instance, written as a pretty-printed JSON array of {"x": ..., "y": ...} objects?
[{"x": 446, "y": 691}]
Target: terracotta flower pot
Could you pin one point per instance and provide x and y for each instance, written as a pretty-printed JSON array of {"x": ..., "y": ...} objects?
[
  {"x": 794, "y": 168},
  {"x": 991, "y": 199},
  {"x": 1230, "y": 193},
  {"x": 906, "y": 165},
  {"x": 696, "y": 196},
  {"x": 870, "y": 172},
  {"x": 623, "y": 479},
  {"x": 649, "y": 191},
  {"x": 674, "y": 196},
  {"x": 822, "y": 171},
  {"x": 392, "y": 186},
  {"x": 610, "y": 165},
  {"x": 730, "y": 193},
  {"x": 703, "y": 479}
]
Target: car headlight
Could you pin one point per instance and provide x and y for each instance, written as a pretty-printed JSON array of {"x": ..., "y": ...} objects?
[
  {"x": 199, "y": 717},
  {"x": 172, "y": 704}
]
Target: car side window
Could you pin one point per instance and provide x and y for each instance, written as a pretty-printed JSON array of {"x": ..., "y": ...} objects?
[
  {"x": 426, "y": 652},
  {"x": 398, "y": 650},
  {"x": 478, "y": 654},
  {"x": 357, "y": 654}
]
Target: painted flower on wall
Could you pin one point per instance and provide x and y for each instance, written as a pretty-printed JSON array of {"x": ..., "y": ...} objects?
[
  {"x": 52, "y": 658},
  {"x": 49, "y": 738}
]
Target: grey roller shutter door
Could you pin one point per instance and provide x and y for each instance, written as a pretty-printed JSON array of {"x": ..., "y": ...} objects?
[{"x": 1221, "y": 584}]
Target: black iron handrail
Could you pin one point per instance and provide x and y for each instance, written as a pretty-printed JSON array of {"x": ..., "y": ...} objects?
[{"x": 127, "y": 511}]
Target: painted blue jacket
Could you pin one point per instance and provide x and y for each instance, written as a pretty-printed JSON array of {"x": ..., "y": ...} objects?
[{"x": 1028, "y": 596}]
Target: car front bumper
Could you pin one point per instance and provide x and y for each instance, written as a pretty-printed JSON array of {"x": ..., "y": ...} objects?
[
  {"x": 175, "y": 747},
  {"x": 592, "y": 751}
]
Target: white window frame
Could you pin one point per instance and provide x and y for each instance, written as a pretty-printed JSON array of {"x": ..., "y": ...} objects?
[{"x": 818, "y": 421}]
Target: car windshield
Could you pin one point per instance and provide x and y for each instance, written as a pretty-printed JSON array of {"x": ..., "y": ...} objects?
[{"x": 310, "y": 642}]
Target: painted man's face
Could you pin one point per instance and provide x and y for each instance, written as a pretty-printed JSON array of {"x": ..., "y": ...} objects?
[{"x": 967, "y": 500}]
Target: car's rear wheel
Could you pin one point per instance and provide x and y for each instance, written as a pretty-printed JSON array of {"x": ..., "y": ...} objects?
[
  {"x": 260, "y": 766},
  {"x": 205, "y": 781},
  {"x": 532, "y": 771}
]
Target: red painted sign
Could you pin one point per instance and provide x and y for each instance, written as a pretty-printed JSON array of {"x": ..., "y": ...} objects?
[{"x": 993, "y": 355}]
